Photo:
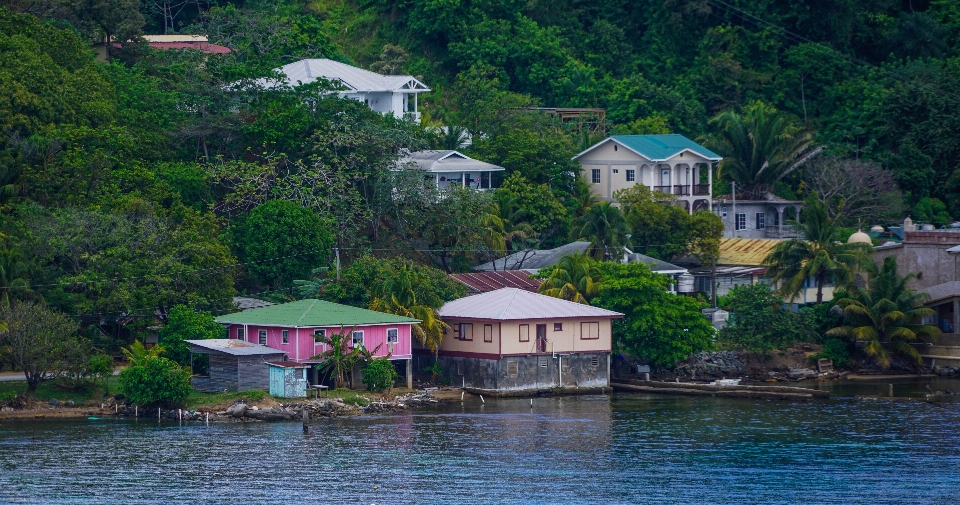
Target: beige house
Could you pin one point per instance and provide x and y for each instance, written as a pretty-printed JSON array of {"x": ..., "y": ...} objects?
[
  {"x": 512, "y": 340},
  {"x": 671, "y": 164}
]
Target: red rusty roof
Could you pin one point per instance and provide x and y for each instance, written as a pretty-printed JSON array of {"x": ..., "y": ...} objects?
[
  {"x": 483, "y": 282},
  {"x": 205, "y": 47}
]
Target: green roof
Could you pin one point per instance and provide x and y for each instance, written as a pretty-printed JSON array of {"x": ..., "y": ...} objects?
[
  {"x": 660, "y": 147},
  {"x": 310, "y": 313}
]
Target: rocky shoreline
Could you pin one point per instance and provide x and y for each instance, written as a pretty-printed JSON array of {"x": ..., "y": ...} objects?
[{"x": 239, "y": 411}]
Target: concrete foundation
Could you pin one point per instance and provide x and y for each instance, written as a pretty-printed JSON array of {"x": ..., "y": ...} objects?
[{"x": 527, "y": 373}]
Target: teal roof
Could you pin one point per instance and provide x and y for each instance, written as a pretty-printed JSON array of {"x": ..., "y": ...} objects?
[
  {"x": 310, "y": 313},
  {"x": 659, "y": 147}
]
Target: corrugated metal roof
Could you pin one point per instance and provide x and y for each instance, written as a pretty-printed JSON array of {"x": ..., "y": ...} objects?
[
  {"x": 234, "y": 347},
  {"x": 484, "y": 282},
  {"x": 658, "y": 147},
  {"x": 244, "y": 303},
  {"x": 745, "y": 251},
  {"x": 535, "y": 259},
  {"x": 357, "y": 79},
  {"x": 288, "y": 364},
  {"x": 447, "y": 161},
  {"x": 312, "y": 313},
  {"x": 511, "y": 304}
]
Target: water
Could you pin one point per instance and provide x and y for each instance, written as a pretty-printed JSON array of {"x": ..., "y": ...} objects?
[{"x": 624, "y": 448}]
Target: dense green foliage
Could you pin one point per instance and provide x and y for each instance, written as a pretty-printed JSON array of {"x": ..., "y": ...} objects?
[
  {"x": 759, "y": 322},
  {"x": 155, "y": 381},
  {"x": 575, "y": 277},
  {"x": 184, "y": 323},
  {"x": 42, "y": 342},
  {"x": 886, "y": 316},
  {"x": 379, "y": 374},
  {"x": 658, "y": 327}
]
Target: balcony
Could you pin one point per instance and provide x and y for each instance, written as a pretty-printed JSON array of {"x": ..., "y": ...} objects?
[
  {"x": 788, "y": 231},
  {"x": 701, "y": 189},
  {"x": 662, "y": 189},
  {"x": 681, "y": 190},
  {"x": 413, "y": 116}
]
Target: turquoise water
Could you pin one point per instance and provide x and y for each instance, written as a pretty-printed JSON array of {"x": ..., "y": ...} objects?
[{"x": 623, "y": 448}]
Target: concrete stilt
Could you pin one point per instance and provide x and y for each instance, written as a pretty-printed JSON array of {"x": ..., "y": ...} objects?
[{"x": 410, "y": 373}]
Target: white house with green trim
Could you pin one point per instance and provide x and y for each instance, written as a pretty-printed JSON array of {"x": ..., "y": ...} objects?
[{"x": 671, "y": 164}]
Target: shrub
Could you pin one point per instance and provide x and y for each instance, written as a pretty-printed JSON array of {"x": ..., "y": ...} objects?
[
  {"x": 379, "y": 374},
  {"x": 834, "y": 349},
  {"x": 759, "y": 322},
  {"x": 156, "y": 381}
]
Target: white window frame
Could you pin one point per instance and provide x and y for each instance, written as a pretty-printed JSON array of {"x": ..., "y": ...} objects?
[
  {"x": 285, "y": 336},
  {"x": 616, "y": 170},
  {"x": 761, "y": 220},
  {"x": 240, "y": 334},
  {"x": 723, "y": 211},
  {"x": 396, "y": 335},
  {"x": 740, "y": 221},
  {"x": 262, "y": 337},
  {"x": 595, "y": 175},
  {"x": 353, "y": 337},
  {"x": 631, "y": 175}
]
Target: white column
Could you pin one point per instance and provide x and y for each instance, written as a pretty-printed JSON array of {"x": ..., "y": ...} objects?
[{"x": 710, "y": 188}]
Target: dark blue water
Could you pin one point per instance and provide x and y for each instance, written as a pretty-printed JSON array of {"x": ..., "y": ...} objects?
[{"x": 591, "y": 449}]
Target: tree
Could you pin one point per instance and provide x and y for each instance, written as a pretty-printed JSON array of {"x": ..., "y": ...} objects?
[
  {"x": 155, "y": 381},
  {"x": 759, "y": 322},
  {"x": 760, "y": 146},
  {"x": 339, "y": 357},
  {"x": 604, "y": 226},
  {"x": 14, "y": 275},
  {"x": 42, "y": 341},
  {"x": 523, "y": 202},
  {"x": 137, "y": 354},
  {"x": 886, "y": 316},
  {"x": 281, "y": 241},
  {"x": 658, "y": 327},
  {"x": 854, "y": 189},
  {"x": 819, "y": 255},
  {"x": 380, "y": 374},
  {"x": 401, "y": 293},
  {"x": 185, "y": 323},
  {"x": 109, "y": 21},
  {"x": 575, "y": 277},
  {"x": 363, "y": 281},
  {"x": 459, "y": 226}
]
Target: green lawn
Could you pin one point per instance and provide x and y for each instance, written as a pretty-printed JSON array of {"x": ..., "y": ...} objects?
[{"x": 51, "y": 389}]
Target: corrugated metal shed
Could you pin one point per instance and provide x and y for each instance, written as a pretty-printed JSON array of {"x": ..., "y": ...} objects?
[
  {"x": 745, "y": 251},
  {"x": 483, "y": 282},
  {"x": 510, "y": 304},
  {"x": 233, "y": 347},
  {"x": 312, "y": 313}
]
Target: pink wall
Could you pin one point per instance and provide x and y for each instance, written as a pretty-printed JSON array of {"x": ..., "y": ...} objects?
[{"x": 303, "y": 347}]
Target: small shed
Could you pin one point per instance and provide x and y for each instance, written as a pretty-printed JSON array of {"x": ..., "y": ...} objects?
[
  {"x": 235, "y": 365},
  {"x": 288, "y": 379}
]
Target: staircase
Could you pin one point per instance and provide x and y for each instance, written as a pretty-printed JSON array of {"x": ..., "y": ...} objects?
[{"x": 945, "y": 352}]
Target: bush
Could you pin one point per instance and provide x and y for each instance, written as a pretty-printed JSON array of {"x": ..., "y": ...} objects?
[
  {"x": 379, "y": 374},
  {"x": 759, "y": 322},
  {"x": 834, "y": 349},
  {"x": 156, "y": 381}
]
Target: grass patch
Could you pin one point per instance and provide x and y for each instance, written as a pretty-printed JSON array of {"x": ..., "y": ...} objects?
[
  {"x": 87, "y": 393},
  {"x": 201, "y": 399}
]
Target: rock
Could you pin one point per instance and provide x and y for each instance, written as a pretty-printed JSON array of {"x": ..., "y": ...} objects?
[
  {"x": 70, "y": 403},
  {"x": 237, "y": 410},
  {"x": 54, "y": 402}
]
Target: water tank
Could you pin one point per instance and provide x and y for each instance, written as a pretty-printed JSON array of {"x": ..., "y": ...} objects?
[
  {"x": 876, "y": 228},
  {"x": 685, "y": 283},
  {"x": 721, "y": 316},
  {"x": 927, "y": 227}
]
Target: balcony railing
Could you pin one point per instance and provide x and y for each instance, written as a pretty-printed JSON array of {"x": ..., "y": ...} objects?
[
  {"x": 788, "y": 231},
  {"x": 681, "y": 190},
  {"x": 662, "y": 189},
  {"x": 701, "y": 189}
]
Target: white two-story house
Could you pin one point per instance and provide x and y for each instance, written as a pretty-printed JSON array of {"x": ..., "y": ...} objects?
[
  {"x": 393, "y": 94},
  {"x": 671, "y": 164}
]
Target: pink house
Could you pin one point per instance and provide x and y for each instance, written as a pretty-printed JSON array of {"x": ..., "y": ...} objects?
[{"x": 290, "y": 327}]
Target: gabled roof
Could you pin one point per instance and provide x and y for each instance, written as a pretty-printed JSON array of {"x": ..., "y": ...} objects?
[
  {"x": 447, "y": 161},
  {"x": 312, "y": 313},
  {"x": 353, "y": 78},
  {"x": 490, "y": 281},
  {"x": 234, "y": 347},
  {"x": 535, "y": 259},
  {"x": 657, "y": 147},
  {"x": 656, "y": 266},
  {"x": 512, "y": 304}
]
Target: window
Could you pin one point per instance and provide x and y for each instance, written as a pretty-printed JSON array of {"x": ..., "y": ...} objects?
[
  {"x": 723, "y": 210},
  {"x": 631, "y": 175},
  {"x": 616, "y": 170},
  {"x": 595, "y": 175},
  {"x": 776, "y": 219},
  {"x": 392, "y": 335},
  {"x": 286, "y": 336},
  {"x": 488, "y": 333},
  {"x": 589, "y": 331},
  {"x": 524, "y": 332},
  {"x": 240, "y": 333},
  {"x": 357, "y": 338},
  {"x": 557, "y": 326},
  {"x": 466, "y": 331},
  {"x": 741, "y": 222},
  {"x": 319, "y": 333},
  {"x": 761, "y": 220},
  {"x": 512, "y": 368},
  {"x": 263, "y": 337}
]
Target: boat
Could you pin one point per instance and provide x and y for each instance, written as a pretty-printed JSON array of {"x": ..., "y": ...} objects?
[{"x": 726, "y": 382}]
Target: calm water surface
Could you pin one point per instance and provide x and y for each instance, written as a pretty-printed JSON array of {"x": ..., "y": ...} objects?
[{"x": 593, "y": 449}]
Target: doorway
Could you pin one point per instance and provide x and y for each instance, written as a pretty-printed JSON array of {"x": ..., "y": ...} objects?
[{"x": 541, "y": 338}]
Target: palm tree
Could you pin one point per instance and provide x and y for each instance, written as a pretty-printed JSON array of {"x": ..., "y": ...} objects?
[
  {"x": 819, "y": 255},
  {"x": 886, "y": 316},
  {"x": 137, "y": 354},
  {"x": 14, "y": 271},
  {"x": 583, "y": 196},
  {"x": 761, "y": 146},
  {"x": 399, "y": 295},
  {"x": 338, "y": 358},
  {"x": 575, "y": 277},
  {"x": 606, "y": 229}
]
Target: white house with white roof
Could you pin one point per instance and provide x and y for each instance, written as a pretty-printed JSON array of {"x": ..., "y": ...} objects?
[
  {"x": 393, "y": 94},
  {"x": 451, "y": 168}
]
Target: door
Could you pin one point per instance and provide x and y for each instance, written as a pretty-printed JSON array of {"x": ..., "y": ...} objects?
[
  {"x": 541, "y": 338},
  {"x": 664, "y": 176}
]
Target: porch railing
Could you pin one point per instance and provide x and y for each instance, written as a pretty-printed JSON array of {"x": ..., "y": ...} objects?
[
  {"x": 662, "y": 189},
  {"x": 701, "y": 189},
  {"x": 681, "y": 190}
]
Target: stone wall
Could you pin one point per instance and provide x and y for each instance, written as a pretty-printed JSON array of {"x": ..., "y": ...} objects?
[{"x": 528, "y": 372}]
